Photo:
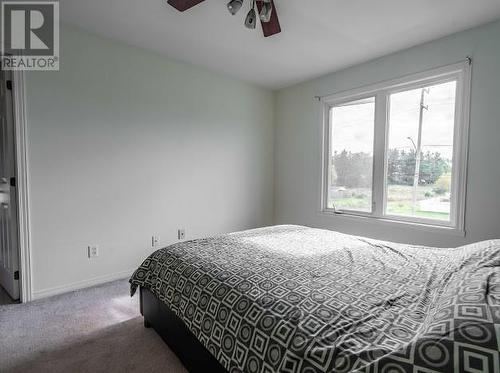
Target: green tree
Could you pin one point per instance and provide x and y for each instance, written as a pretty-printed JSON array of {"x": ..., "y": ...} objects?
[{"x": 354, "y": 170}]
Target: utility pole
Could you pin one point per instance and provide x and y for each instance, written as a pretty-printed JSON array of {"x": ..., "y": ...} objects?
[{"x": 418, "y": 149}]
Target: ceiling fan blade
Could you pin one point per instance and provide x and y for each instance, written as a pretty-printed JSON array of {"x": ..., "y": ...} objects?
[
  {"x": 182, "y": 5},
  {"x": 273, "y": 26}
]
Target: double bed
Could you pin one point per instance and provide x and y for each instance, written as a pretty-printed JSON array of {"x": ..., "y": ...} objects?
[{"x": 297, "y": 299}]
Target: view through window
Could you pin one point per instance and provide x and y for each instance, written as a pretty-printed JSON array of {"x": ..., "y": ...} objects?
[
  {"x": 420, "y": 152},
  {"x": 351, "y": 167}
]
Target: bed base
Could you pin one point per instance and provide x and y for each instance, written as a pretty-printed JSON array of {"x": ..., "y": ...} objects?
[{"x": 176, "y": 335}]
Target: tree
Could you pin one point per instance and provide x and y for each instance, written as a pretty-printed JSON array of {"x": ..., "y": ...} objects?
[{"x": 354, "y": 170}]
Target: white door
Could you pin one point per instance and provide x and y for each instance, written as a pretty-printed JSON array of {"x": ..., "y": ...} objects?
[{"x": 9, "y": 253}]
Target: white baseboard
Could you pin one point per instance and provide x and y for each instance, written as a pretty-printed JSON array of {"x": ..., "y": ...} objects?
[{"x": 82, "y": 284}]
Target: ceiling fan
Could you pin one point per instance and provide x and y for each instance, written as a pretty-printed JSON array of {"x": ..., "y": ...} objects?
[{"x": 266, "y": 12}]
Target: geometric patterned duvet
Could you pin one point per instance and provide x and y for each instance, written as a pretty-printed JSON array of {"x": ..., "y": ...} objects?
[{"x": 296, "y": 299}]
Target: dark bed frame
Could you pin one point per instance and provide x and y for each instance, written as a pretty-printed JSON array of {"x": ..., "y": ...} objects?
[{"x": 195, "y": 357}]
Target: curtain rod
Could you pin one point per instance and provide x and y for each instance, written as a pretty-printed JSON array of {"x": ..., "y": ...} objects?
[{"x": 468, "y": 60}]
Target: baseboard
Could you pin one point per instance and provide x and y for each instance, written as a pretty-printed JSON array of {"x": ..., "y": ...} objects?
[{"x": 82, "y": 284}]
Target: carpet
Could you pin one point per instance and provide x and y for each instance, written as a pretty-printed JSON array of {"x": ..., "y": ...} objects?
[{"x": 97, "y": 329}]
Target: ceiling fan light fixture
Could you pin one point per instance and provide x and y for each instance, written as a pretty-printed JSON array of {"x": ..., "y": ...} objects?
[
  {"x": 234, "y": 6},
  {"x": 251, "y": 19},
  {"x": 266, "y": 11}
]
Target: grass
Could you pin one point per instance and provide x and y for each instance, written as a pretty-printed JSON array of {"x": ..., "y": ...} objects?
[
  {"x": 405, "y": 209},
  {"x": 399, "y": 201}
]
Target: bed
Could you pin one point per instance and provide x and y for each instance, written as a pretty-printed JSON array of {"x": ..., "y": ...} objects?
[{"x": 297, "y": 299}]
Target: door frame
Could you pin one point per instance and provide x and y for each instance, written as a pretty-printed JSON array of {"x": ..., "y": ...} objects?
[{"x": 22, "y": 182}]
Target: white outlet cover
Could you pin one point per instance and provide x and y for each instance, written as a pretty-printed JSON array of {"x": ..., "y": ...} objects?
[
  {"x": 181, "y": 234},
  {"x": 93, "y": 251},
  {"x": 155, "y": 240}
]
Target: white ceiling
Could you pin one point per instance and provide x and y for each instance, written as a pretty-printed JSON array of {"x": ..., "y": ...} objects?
[{"x": 319, "y": 36}]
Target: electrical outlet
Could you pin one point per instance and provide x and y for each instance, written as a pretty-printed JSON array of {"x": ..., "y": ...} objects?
[
  {"x": 155, "y": 241},
  {"x": 181, "y": 234},
  {"x": 93, "y": 251}
]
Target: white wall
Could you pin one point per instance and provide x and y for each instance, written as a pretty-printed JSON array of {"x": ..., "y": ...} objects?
[
  {"x": 298, "y": 138},
  {"x": 123, "y": 144}
]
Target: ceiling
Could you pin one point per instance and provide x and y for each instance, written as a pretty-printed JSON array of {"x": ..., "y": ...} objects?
[{"x": 319, "y": 36}]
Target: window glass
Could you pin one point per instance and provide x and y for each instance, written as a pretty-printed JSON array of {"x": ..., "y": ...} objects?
[
  {"x": 350, "y": 179},
  {"x": 419, "y": 152}
]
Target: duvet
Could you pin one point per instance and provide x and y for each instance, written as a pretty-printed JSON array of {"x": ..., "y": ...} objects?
[{"x": 296, "y": 299}]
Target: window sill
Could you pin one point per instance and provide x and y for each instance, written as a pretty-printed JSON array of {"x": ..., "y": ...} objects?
[{"x": 390, "y": 222}]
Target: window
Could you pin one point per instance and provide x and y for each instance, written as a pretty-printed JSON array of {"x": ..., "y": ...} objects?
[{"x": 397, "y": 150}]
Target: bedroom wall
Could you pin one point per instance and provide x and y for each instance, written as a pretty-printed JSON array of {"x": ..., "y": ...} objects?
[
  {"x": 124, "y": 144},
  {"x": 298, "y": 138}
]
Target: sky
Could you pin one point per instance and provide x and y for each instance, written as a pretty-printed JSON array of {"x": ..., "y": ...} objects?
[{"x": 353, "y": 125}]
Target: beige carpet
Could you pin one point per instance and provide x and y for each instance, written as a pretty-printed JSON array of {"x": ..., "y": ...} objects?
[{"x": 92, "y": 330}]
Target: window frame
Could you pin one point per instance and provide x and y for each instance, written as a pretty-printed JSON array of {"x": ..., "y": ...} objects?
[{"x": 459, "y": 72}]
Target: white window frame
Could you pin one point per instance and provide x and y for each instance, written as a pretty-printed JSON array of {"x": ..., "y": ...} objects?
[{"x": 459, "y": 72}]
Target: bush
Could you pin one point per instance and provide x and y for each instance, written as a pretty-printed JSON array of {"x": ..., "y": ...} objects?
[{"x": 442, "y": 185}]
